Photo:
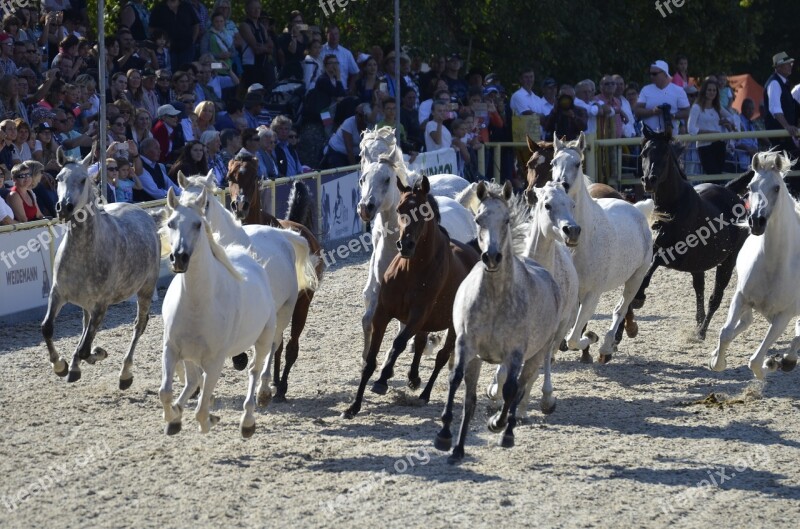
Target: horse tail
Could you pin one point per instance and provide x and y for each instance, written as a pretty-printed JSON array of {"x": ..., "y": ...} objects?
[
  {"x": 301, "y": 208},
  {"x": 305, "y": 262},
  {"x": 739, "y": 184}
]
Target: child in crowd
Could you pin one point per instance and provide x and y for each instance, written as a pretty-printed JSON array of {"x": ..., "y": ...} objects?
[
  {"x": 127, "y": 181},
  {"x": 162, "y": 49}
]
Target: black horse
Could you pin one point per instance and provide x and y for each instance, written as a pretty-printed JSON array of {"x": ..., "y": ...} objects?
[{"x": 696, "y": 230}]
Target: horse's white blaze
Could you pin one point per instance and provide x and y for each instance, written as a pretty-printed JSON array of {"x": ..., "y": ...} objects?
[{"x": 766, "y": 267}]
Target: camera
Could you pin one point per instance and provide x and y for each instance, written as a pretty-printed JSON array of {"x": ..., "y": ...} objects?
[
  {"x": 565, "y": 102},
  {"x": 302, "y": 27}
]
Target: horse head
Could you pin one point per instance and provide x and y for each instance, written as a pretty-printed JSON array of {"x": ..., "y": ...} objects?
[
  {"x": 416, "y": 210},
  {"x": 553, "y": 213},
  {"x": 75, "y": 189},
  {"x": 192, "y": 186},
  {"x": 378, "y": 141},
  {"x": 766, "y": 188},
  {"x": 566, "y": 163},
  {"x": 243, "y": 184},
  {"x": 377, "y": 192},
  {"x": 494, "y": 223},
  {"x": 659, "y": 158},
  {"x": 539, "y": 169},
  {"x": 184, "y": 225}
]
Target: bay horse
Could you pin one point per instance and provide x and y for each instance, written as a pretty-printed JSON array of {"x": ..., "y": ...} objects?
[
  {"x": 246, "y": 205},
  {"x": 688, "y": 215},
  {"x": 766, "y": 267},
  {"x": 509, "y": 311},
  {"x": 219, "y": 303},
  {"x": 417, "y": 289},
  {"x": 109, "y": 253},
  {"x": 617, "y": 248}
]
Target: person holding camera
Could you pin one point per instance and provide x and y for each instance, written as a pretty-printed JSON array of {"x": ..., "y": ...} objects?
[
  {"x": 566, "y": 120},
  {"x": 661, "y": 92},
  {"x": 292, "y": 45}
]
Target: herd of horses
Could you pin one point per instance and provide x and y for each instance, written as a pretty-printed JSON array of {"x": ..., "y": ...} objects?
[{"x": 474, "y": 261}]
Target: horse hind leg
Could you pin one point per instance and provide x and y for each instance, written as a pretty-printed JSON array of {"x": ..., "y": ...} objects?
[
  {"x": 263, "y": 346},
  {"x": 145, "y": 299},
  {"x": 54, "y": 305},
  {"x": 192, "y": 376},
  {"x": 631, "y": 327},
  {"x": 299, "y": 317},
  {"x": 721, "y": 279},
  {"x": 499, "y": 420},
  {"x": 442, "y": 357},
  {"x": 640, "y": 297},
  {"x": 787, "y": 361},
  {"x": 629, "y": 291},
  {"x": 699, "y": 286},
  {"x": 83, "y": 351}
]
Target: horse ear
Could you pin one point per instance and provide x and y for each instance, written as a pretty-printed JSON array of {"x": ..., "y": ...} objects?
[
  {"x": 172, "y": 200},
  {"x": 425, "y": 185},
  {"x": 481, "y": 191},
  {"x": 400, "y": 186},
  {"x": 531, "y": 196},
  {"x": 581, "y": 142},
  {"x": 61, "y": 158},
  {"x": 648, "y": 132},
  {"x": 532, "y": 145},
  {"x": 211, "y": 178},
  {"x": 756, "y": 163},
  {"x": 508, "y": 191},
  {"x": 182, "y": 180},
  {"x": 203, "y": 198},
  {"x": 558, "y": 144}
]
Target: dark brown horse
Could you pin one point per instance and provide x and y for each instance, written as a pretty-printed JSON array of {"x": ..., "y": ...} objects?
[
  {"x": 246, "y": 204},
  {"x": 417, "y": 289},
  {"x": 540, "y": 171}
]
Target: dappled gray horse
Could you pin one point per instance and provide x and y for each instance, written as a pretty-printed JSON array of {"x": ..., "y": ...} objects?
[{"x": 108, "y": 254}]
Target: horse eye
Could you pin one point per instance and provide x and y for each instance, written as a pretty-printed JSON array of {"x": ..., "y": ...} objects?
[
  {"x": 777, "y": 188},
  {"x": 547, "y": 207},
  {"x": 197, "y": 225},
  {"x": 388, "y": 179},
  {"x": 171, "y": 224}
]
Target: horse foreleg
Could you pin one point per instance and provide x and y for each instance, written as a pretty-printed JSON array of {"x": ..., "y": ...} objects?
[
  {"x": 211, "y": 373},
  {"x": 470, "y": 400},
  {"x": 739, "y": 318},
  {"x": 299, "y": 317},
  {"x": 640, "y": 297},
  {"x": 379, "y": 324},
  {"x": 172, "y": 414},
  {"x": 371, "y": 304},
  {"x": 263, "y": 346},
  {"x": 276, "y": 375},
  {"x": 83, "y": 351},
  {"x": 499, "y": 420},
  {"x": 631, "y": 287},
  {"x": 420, "y": 342},
  {"x": 776, "y": 327},
  {"x": 441, "y": 359},
  {"x": 144, "y": 301},
  {"x": 54, "y": 305},
  {"x": 721, "y": 279},
  {"x": 381, "y": 386},
  {"x": 575, "y": 339},
  {"x": 699, "y": 286}
]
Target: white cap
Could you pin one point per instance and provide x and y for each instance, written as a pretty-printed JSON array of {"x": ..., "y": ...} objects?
[
  {"x": 661, "y": 65},
  {"x": 255, "y": 86},
  {"x": 167, "y": 110}
]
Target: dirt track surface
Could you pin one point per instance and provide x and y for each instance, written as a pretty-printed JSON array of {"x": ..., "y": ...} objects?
[{"x": 641, "y": 442}]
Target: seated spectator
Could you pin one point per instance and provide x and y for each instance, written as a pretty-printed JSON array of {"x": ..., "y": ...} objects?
[
  {"x": 231, "y": 143},
  {"x": 211, "y": 141},
  {"x": 206, "y": 114},
  {"x": 22, "y": 144},
  {"x": 126, "y": 180},
  {"x": 6, "y": 214},
  {"x": 167, "y": 131},
  {"x": 44, "y": 187},
  {"x": 191, "y": 161},
  {"x": 437, "y": 136},
  {"x": 142, "y": 121},
  {"x": 285, "y": 153},
  {"x": 227, "y": 119},
  {"x": 153, "y": 175},
  {"x": 46, "y": 148},
  {"x": 343, "y": 147},
  {"x": 266, "y": 153},
  {"x": 21, "y": 199}
]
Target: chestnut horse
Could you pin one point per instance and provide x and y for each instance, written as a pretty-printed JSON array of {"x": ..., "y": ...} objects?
[
  {"x": 540, "y": 171},
  {"x": 246, "y": 204},
  {"x": 418, "y": 289}
]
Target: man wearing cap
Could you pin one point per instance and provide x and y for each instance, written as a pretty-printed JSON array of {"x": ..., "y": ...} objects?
[
  {"x": 456, "y": 85},
  {"x": 7, "y": 66},
  {"x": 662, "y": 91},
  {"x": 781, "y": 107},
  {"x": 166, "y": 131}
]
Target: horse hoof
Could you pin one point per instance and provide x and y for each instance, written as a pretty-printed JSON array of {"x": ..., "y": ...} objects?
[
  {"x": 248, "y": 431},
  {"x": 638, "y": 303},
  {"x": 349, "y": 413},
  {"x": 443, "y": 442},
  {"x": 632, "y": 329},
  {"x": 125, "y": 384},
  {"x": 604, "y": 358},
  {"x": 264, "y": 398},
  {"x": 172, "y": 428},
  {"x": 214, "y": 419},
  {"x": 380, "y": 388},
  {"x": 507, "y": 441},
  {"x": 547, "y": 409},
  {"x": 494, "y": 425},
  {"x": 701, "y": 335},
  {"x": 456, "y": 457},
  {"x": 586, "y": 358},
  {"x": 279, "y": 397},
  {"x": 74, "y": 376},
  {"x": 787, "y": 364},
  {"x": 414, "y": 383},
  {"x": 425, "y": 397},
  {"x": 98, "y": 354},
  {"x": 63, "y": 371},
  {"x": 592, "y": 336},
  {"x": 240, "y": 362},
  {"x": 563, "y": 346}
]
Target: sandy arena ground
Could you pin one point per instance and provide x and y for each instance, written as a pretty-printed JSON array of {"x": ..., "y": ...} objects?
[{"x": 631, "y": 443}]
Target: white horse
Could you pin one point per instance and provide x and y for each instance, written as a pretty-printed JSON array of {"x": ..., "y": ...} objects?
[
  {"x": 766, "y": 267},
  {"x": 109, "y": 254},
  {"x": 285, "y": 255},
  {"x": 616, "y": 248},
  {"x": 380, "y": 197},
  {"x": 507, "y": 311},
  {"x": 218, "y": 305}
]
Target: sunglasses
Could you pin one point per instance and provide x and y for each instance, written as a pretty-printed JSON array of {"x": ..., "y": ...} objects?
[
  {"x": 653, "y": 74},
  {"x": 23, "y": 176},
  {"x": 110, "y": 168}
]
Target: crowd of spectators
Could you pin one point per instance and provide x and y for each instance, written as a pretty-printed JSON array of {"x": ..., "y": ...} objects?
[{"x": 188, "y": 88}]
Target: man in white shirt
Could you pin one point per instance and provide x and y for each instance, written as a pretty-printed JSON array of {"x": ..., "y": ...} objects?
[
  {"x": 661, "y": 91},
  {"x": 628, "y": 130},
  {"x": 524, "y": 102},
  {"x": 155, "y": 182},
  {"x": 584, "y": 98},
  {"x": 347, "y": 64},
  {"x": 6, "y": 213},
  {"x": 780, "y": 104}
]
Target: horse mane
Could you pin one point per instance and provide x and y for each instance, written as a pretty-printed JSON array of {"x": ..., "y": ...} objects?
[
  {"x": 768, "y": 161},
  {"x": 219, "y": 252},
  {"x": 519, "y": 215}
]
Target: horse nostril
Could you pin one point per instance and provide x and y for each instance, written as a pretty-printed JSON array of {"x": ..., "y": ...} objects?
[
  {"x": 485, "y": 258},
  {"x": 370, "y": 207},
  {"x": 399, "y": 245}
]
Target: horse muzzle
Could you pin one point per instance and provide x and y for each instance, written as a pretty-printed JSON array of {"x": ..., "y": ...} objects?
[
  {"x": 758, "y": 224},
  {"x": 64, "y": 210},
  {"x": 406, "y": 248},
  {"x": 240, "y": 209},
  {"x": 648, "y": 183},
  {"x": 179, "y": 262},
  {"x": 366, "y": 211},
  {"x": 572, "y": 232},
  {"x": 491, "y": 260}
]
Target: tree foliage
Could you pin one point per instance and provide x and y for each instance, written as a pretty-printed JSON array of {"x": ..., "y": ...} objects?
[{"x": 569, "y": 41}]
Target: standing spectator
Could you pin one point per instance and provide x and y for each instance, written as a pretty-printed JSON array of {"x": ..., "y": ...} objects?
[
  {"x": 524, "y": 102},
  {"x": 21, "y": 200},
  {"x": 566, "y": 120},
  {"x": 162, "y": 51},
  {"x": 136, "y": 17},
  {"x": 201, "y": 12},
  {"x": 153, "y": 175},
  {"x": 628, "y": 128},
  {"x": 130, "y": 56},
  {"x": 456, "y": 85},
  {"x": 585, "y": 98},
  {"x": 285, "y": 153},
  {"x": 178, "y": 20},
  {"x": 608, "y": 98},
  {"x": 746, "y": 147},
  {"x": 257, "y": 55},
  {"x": 725, "y": 91},
  {"x": 45, "y": 188},
  {"x": 347, "y": 63},
  {"x": 781, "y": 110},
  {"x": 343, "y": 147},
  {"x": 292, "y": 45},
  {"x": 437, "y": 136},
  {"x": 220, "y": 40},
  {"x": 367, "y": 82},
  {"x": 681, "y": 77},
  {"x": 549, "y": 91},
  {"x": 437, "y": 66},
  {"x": 708, "y": 117},
  {"x": 409, "y": 118},
  {"x": 661, "y": 92},
  {"x": 312, "y": 64}
]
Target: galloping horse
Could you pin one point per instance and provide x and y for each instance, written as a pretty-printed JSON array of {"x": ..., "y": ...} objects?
[
  {"x": 246, "y": 204},
  {"x": 508, "y": 311},
  {"x": 766, "y": 267},
  {"x": 616, "y": 248},
  {"x": 109, "y": 254},
  {"x": 417, "y": 289},
  {"x": 688, "y": 215}
]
